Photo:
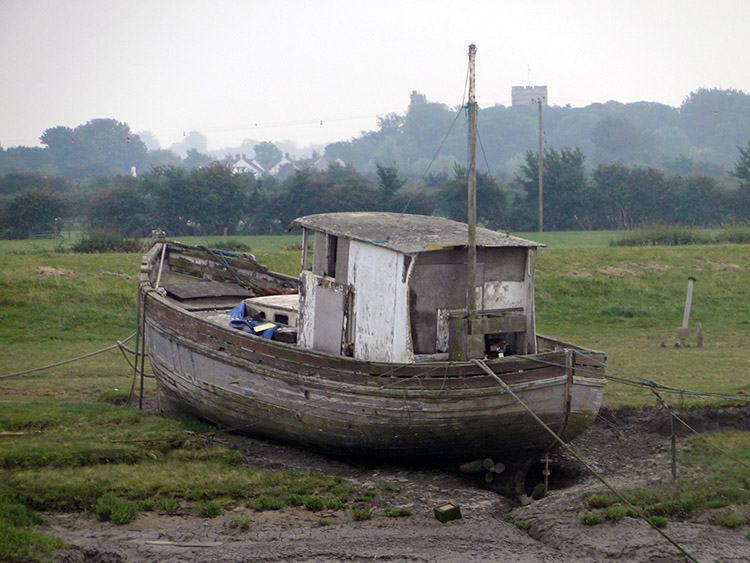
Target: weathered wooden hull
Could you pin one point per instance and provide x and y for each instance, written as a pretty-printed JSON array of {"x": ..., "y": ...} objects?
[{"x": 337, "y": 405}]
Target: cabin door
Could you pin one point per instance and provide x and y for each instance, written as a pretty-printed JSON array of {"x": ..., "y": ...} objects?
[{"x": 332, "y": 330}]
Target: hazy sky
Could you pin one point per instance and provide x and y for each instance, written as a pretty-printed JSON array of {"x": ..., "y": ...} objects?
[{"x": 317, "y": 71}]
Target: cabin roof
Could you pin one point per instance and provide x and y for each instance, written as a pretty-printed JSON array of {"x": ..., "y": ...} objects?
[{"x": 405, "y": 233}]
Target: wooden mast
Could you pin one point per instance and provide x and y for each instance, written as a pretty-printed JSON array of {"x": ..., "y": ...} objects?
[{"x": 471, "y": 305}]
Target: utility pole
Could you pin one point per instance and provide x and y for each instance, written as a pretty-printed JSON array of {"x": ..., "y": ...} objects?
[{"x": 540, "y": 102}]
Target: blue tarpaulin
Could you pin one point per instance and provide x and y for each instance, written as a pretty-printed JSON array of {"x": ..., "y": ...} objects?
[{"x": 241, "y": 323}]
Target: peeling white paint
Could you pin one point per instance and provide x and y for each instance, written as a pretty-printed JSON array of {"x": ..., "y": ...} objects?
[{"x": 503, "y": 294}]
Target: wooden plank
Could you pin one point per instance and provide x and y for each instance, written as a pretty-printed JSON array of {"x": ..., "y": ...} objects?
[{"x": 202, "y": 289}]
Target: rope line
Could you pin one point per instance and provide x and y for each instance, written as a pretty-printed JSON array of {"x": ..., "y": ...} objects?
[
  {"x": 575, "y": 454},
  {"x": 637, "y": 381},
  {"x": 674, "y": 415},
  {"x": 445, "y": 138},
  {"x": 70, "y": 361}
]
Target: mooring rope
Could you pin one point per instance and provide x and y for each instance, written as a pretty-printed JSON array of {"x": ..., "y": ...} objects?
[
  {"x": 575, "y": 454},
  {"x": 119, "y": 344},
  {"x": 638, "y": 381},
  {"x": 676, "y": 417}
]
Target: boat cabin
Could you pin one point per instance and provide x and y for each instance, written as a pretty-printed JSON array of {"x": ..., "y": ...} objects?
[{"x": 391, "y": 287}]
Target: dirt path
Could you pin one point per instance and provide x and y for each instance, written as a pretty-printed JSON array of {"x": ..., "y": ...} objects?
[{"x": 630, "y": 449}]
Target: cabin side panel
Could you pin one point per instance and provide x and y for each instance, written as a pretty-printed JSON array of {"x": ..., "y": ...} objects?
[
  {"x": 438, "y": 281},
  {"x": 380, "y": 313},
  {"x": 438, "y": 286}
]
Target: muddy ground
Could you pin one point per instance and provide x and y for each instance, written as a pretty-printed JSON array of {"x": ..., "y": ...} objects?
[{"x": 628, "y": 447}]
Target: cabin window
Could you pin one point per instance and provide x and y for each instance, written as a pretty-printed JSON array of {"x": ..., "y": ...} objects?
[
  {"x": 281, "y": 319},
  {"x": 330, "y": 264},
  {"x": 307, "y": 249},
  {"x": 325, "y": 254}
]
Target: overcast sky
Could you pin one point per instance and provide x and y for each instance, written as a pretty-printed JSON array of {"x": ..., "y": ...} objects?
[{"x": 317, "y": 71}]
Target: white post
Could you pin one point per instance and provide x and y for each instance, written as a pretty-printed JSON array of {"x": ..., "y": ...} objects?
[
  {"x": 688, "y": 302},
  {"x": 684, "y": 332}
]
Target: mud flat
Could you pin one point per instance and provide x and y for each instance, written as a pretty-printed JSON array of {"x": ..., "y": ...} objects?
[{"x": 629, "y": 448}]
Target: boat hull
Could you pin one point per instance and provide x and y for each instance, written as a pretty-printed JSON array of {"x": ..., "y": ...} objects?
[{"x": 337, "y": 405}]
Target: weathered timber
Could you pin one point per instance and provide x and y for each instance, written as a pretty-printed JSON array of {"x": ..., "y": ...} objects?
[{"x": 451, "y": 411}]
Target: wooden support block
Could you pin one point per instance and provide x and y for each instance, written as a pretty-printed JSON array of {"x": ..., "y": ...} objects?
[{"x": 447, "y": 512}]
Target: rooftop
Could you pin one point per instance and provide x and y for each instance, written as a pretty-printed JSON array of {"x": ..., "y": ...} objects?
[{"x": 405, "y": 233}]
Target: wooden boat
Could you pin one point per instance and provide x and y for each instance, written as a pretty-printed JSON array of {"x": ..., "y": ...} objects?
[{"x": 372, "y": 351}]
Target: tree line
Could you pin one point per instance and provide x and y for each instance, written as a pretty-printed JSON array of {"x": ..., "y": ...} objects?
[
  {"x": 700, "y": 136},
  {"x": 211, "y": 199}
]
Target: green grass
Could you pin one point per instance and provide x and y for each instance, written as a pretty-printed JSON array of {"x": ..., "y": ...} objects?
[
  {"x": 524, "y": 525},
  {"x": 628, "y": 301},
  {"x": 360, "y": 514},
  {"x": 674, "y": 236},
  {"x": 115, "y": 509},
  {"x": 113, "y": 462},
  {"x": 572, "y": 240},
  {"x": 209, "y": 509},
  {"x": 400, "y": 512},
  {"x": 77, "y": 446},
  {"x": 713, "y": 482},
  {"x": 19, "y": 541}
]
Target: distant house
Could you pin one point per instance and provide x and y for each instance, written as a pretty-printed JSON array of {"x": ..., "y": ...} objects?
[
  {"x": 245, "y": 165},
  {"x": 322, "y": 163},
  {"x": 284, "y": 167}
]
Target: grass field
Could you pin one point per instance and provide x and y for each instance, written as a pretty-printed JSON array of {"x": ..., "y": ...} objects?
[
  {"x": 626, "y": 302},
  {"x": 56, "y": 305}
]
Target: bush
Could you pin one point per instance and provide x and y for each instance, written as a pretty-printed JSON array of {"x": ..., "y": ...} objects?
[
  {"x": 663, "y": 236},
  {"x": 735, "y": 233},
  {"x": 99, "y": 240},
  {"x": 231, "y": 245}
]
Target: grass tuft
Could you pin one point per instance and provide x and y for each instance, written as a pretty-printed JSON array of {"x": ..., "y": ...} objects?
[
  {"x": 208, "y": 509},
  {"x": 361, "y": 514},
  {"x": 729, "y": 519},
  {"x": 592, "y": 518},
  {"x": 397, "y": 512},
  {"x": 522, "y": 524},
  {"x": 240, "y": 523},
  {"x": 115, "y": 509}
]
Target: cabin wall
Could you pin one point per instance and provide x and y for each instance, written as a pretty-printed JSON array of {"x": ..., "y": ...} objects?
[
  {"x": 367, "y": 308},
  {"x": 438, "y": 286},
  {"x": 381, "y": 323}
]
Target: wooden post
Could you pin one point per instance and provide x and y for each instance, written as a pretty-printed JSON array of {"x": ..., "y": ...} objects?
[
  {"x": 539, "y": 102},
  {"x": 684, "y": 331},
  {"x": 673, "y": 447},
  {"x": 472, "y": 195}
]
